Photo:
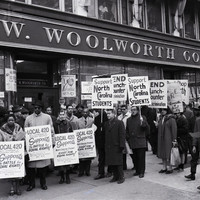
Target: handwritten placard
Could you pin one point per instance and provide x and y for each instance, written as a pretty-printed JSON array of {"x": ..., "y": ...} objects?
[
  {"x": 66, "y": 149},
  {"x": 39, "y": 142},
  {"x": 12, "y": 159}
]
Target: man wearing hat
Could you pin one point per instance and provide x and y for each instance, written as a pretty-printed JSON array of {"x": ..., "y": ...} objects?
[{"x": 38, "y": 118}]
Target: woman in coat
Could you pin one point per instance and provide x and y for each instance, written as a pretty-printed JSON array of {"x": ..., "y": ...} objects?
[
  {"x": 11, "y": 131},
  {"x": 167, "y": 134}
]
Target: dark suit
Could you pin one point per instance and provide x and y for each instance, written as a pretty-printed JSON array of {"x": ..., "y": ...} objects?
[{"x": 114, "y": 145}]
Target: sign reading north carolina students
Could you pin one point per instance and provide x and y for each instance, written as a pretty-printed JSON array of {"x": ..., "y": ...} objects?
[
  {"x": 86, "y": 143},
  {"x": 39, "y": 142},
  {"x": 12, "y": 159},
  {"x": 158, "y": 92},
  {"x": 119, "y": 87},
  {"x": 174, "y": 97},
  {"x": 68, "y": 86},
  {"x": 65, "y": 150},
  {"x": 102, "y": 93},
  {"x": 138, "y": 91}
]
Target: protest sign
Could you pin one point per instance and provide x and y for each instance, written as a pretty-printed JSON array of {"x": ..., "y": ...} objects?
[
  {"x": 102, "y": 93},
  {"x": 65, "y": 150},
  {"x": 86, "y": 143},
  {"x": 12, "y": 159},
  {"x": 138, "y": 91},
  {"x": 184, "y": 89},
  {"x": 174, "y": 97},
  {"x": 158, "y": 92},
  {"x": 39, "y": 142},
  {"x": 68, "y": 86},
  {"x": 119, "y": 87},
  {"x": 10, "y": 80}
]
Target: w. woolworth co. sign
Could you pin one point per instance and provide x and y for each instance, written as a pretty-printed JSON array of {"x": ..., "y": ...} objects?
[{"x": 28, "y": 32}]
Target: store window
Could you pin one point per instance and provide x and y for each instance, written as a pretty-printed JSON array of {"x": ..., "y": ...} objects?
[
  {"x": 85, "y": 7},
  {"x": 124, "y": 12},
  {"x": 136, "y": 13},
  {"x": 68, "y": 6},
  {"x": 107, "y": 10},
  {"x": 154, "y": 16},
  {"x": 189, "y": 19},
  {"x": 47, "y": 3}
]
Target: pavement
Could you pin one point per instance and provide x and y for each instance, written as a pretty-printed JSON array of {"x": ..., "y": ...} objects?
[{"x": 153, "y": 186}]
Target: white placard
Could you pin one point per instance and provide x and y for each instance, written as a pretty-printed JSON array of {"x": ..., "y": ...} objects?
[
  {"x": 86, "y": 87},
  {"x": 12, "y": 159},
  {"x": 86, "y": 97},
  {"x": 66, "y": 149},
  {"x": 68, "y": 86},
  {"x": 86, "y": 143},
  {"x": 102, "y": 93},
  {"x": 10, "y": 80},
  {"x": 2, "y": 94},
  {"x": 28, "y": 99},
  {"x": 138, "y": 91},
  {"x": 158, "y": 92},
  {"x": 120, "y": 86},
  {"x": 39, "y": 142}
]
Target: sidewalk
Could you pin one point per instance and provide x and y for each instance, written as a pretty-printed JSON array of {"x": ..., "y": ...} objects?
[{"x": 152, "y": 187}]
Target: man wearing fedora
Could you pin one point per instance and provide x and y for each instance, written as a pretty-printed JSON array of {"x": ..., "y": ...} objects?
[{"x": 38, "y": 118}]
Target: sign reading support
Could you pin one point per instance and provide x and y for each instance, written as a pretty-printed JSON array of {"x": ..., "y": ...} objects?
[
  {"x": 39, "y": 142},
  {"x": 102, "y": 93},
  {"x": 65, "y": 150},
  {"x": 158, "y": 92},
  {"x": 86, "y": 143},
  {"x": 68, "y": 86},
  {"x": 138, "y": 91},
  {"x": 12, "y": 159}
]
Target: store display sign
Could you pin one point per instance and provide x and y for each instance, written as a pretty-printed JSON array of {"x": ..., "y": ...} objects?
[
  {"x": 138, "y": 91},
  {"x": 10, "y": 80},
  {"x": 174, "y": 96},
  {"x": 2, "y": 94},
  {"x": 68, "y": 86},
  {"x": 66, "y": 149},
  {"x": 12, "y": 159},
  {"x": 86, "y": 143},
  {"x": 158, "y": 92},
  {"x": 86, "y": 87},
  {"x": 39, "y": 142},
  {"x": 120, "y": 86},
  {"x": 102, "y": 93}
]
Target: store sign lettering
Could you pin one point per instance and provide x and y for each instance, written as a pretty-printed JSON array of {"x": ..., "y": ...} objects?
[{"x": 93, "y": 43}]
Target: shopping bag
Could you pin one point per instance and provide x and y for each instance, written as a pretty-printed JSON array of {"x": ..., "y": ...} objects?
[
  {"x": 128, "y": 149},
  {"x": 175, "y": 158}
]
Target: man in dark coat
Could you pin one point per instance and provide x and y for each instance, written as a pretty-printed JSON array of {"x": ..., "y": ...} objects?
[
  {"x": 114, "y": 146},
  {"x": 137, "y": 130}
]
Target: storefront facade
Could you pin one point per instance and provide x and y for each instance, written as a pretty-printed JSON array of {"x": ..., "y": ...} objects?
[{"x": 39, "y": 45}]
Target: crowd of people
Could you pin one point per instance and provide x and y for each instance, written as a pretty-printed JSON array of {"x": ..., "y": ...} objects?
[{"x": 118, "y": 133}]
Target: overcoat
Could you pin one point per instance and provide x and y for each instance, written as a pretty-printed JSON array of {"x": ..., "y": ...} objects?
[
  {"x": 114, "y": 142},
  {"x": 196, "y": 141},
  {"x": 167, "y": 133}
]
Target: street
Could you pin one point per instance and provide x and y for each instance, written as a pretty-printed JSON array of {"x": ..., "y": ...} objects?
[{"x": 153, "y": 186}]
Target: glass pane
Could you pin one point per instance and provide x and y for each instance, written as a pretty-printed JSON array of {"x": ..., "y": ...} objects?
[
  {"x": 47, "y": 3},
  {"x": 107, "y": 9},
  {"x": 154, "y": 18},
  {"x": 124, "y": 12},
  {"x": 85, "y": 7},
  {"x": 68, "y": 5},
  {"x": 189, "y": 19},
  {"x": 136, "y": 13}
]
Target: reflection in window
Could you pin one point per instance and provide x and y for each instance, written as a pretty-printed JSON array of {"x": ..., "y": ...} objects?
[
  {"x": 135, "y": 13},
  {"x": 124, "y": 12},
  {"x": 107, "y": 9},
  {"x": 154, "y": 17},
  {"x": 47, "y": 3},
  {"x": 68, "y": 5},
  {"x": 189, "y": 19},
  {"x": 84, "y": 7}
]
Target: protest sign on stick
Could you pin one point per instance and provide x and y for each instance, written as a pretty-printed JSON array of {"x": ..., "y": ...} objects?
[
  {"x": 39, "y": 142},
  {"x": 12, "y": 159},
  {"x": 86, "y": 143},
  {"x": 65, "y": 150}
]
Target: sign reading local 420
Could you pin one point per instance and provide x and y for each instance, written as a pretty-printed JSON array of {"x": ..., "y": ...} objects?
[{"x": 68, "y": 86}]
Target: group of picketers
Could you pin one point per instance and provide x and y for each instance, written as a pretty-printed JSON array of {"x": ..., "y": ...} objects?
[{"x": 118, "y": 132}]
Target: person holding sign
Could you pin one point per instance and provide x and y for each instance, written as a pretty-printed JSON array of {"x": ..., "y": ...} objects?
[
  {"x": 12, "y": 131},
  {"x": 137, "y": 130},
  {"x": 114, "y": 146},
  {"x": 38, "y": 118},
  {"x": 63, "y": 126}
]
